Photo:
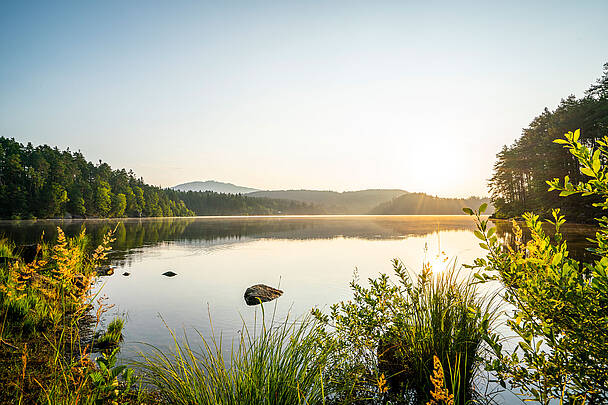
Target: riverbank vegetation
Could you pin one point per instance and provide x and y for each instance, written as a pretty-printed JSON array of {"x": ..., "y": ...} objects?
[
  {"x": 401, "y": 339},
  {"x": 47, "y": 328},
  {"x": 282, "y": 363},
  {"x": 518, "y": 182}
]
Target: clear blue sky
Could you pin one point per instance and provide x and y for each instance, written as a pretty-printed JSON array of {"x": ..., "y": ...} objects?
[{"x": 324, "y": 95}]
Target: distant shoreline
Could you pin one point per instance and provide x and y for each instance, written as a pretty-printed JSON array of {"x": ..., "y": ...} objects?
[{"x": 293, "y": 216}]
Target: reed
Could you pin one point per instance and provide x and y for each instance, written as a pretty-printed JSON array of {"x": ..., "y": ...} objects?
[{"x": 282, "y": 364}]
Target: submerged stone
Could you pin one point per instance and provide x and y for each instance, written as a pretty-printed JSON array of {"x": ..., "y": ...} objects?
[
  {"x": 259, "y": 293},
  {"x": 169, "y": 274}
]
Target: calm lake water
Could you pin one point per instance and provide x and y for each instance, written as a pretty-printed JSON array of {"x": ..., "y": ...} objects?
[{"x": 311, "y": 258}]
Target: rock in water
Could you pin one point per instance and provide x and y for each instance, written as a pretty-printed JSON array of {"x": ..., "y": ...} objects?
[
  {"x": 126, "y": 273},
  {"x": 261, "y": 293},
  {"x": 169, "y": 273}
]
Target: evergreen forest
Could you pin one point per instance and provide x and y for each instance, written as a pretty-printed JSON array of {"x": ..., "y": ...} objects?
[{"x": 521, "y": 171}]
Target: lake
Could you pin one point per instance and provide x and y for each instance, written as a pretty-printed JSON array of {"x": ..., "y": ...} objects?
[{"x": 312, "y": 259}]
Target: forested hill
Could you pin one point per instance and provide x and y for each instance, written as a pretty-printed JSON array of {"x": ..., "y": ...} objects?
[
  {"x": 424, "y": 204},
  {"x": 44, "y": 182},
  {"x": 332, "y": 202},
  {"x": 518, "y": 182}
]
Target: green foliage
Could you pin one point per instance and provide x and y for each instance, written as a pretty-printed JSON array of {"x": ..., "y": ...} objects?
[
  {"x": 112, "y": 383},
  {"x": 51, "y": 296},
  {"x": 281, "y": 365},
  {"x": 560, "y": 304},
  {"x": 51, "y": 288},
  {"x": 518, "y": 182},
  {"x": 386, "y": 337},
  {"x": 112, "y": 336},
  {"x": 7, "y": 249}
]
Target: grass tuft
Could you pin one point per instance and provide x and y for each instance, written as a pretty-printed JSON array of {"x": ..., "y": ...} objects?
[{"x": 283, "y": 364}]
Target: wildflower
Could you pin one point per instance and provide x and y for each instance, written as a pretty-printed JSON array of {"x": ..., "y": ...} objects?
[{"x": 441, "y": 393}]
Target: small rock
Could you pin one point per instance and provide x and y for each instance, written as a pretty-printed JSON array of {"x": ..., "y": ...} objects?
[
  {"x": 126, "y": 273},
  {"x": 169, "y": 274},
  {"x": 261, "y": 293}
]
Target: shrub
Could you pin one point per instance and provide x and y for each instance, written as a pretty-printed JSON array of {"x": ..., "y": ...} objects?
[
  {"x": 386, "y": 338},
  {"x": 560, "y": 314}
]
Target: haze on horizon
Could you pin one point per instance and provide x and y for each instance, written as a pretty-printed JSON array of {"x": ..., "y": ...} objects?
[{"x": 323, "y": 95}]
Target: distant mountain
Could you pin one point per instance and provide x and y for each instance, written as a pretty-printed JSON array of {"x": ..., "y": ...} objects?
[
  {"x": 424, "y": 204},
  {"x": 215, "y": 186},
  {"x": 332, "y": 202}
]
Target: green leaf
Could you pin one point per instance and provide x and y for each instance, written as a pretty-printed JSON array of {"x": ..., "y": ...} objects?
[
  {"x": 480, "y": 235},
  {"x": 468, "y": 211},
  {"x": 561, "y": 141},
  {"x": 482, "y": 208},
  {"x": 577, "y": 135},
  {"x": 491, "y": 232},
  {"x": 587, "y": 171},
  {"x": 556, "y": 259},
  {"x": 596, "y": 161}
]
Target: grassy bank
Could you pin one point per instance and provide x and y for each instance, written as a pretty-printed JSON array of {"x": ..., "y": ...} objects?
[{"x": 48, "y": 329}]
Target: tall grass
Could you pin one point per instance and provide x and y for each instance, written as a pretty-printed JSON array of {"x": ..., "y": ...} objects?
[
  {"x": 444, "y": 317},
  {"x": 7, "y": 248},
  {"x": 282, "y": 364}
]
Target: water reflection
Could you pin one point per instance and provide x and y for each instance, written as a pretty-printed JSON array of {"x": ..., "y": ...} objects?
[
  {"x": 577, "y": 236},
  {"x": 132, "y": 234}
]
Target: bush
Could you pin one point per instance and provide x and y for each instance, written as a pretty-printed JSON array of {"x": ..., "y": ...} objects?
[
  {"x": 560, "y": 314},
  {"x": 386, "y": 338}
]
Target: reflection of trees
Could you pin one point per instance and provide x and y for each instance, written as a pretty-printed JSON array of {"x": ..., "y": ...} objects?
[
  {"x": 576, "y": 235},
  {"x": 132, "y": 234}
]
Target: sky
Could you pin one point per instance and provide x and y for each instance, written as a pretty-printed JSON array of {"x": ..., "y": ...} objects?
[{"x": 323, "y": 95}]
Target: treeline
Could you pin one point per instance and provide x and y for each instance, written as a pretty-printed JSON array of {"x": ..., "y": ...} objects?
[
  {"x": 518, "y": 182},
  {"x": 424, "y": 204},
  {"x": 45, "y": 182},
  {"x": 211, "y": 203}
]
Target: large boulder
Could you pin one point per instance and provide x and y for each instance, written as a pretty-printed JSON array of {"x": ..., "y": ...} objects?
[{"x": 259, "y": 293}]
